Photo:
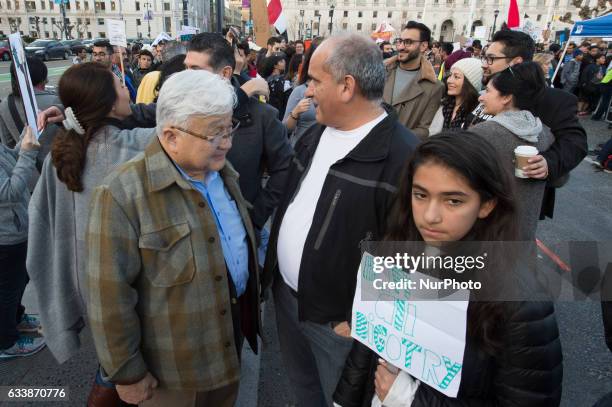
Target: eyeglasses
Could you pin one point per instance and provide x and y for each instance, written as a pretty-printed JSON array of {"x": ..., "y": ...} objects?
[
  {"x": 226, "y": 134},
  {"x": 490, "y": 59},
  {"x": 406, "y": 41}
]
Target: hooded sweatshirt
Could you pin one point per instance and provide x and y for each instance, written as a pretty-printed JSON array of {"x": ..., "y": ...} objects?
[{"x": 505, "y": 132}]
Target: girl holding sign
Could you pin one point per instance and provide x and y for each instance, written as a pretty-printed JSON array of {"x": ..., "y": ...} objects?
[{"x": 454, "y": 189}]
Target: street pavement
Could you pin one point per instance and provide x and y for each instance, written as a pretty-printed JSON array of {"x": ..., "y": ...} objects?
[{"x": 582, "y": 213}]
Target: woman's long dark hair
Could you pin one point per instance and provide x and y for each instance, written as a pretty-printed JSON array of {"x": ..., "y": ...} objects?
[
  {"x": 477, "y": 161},
  {"x": 303, "y": 77},
  {"x": 294, "y": 66},
  {"x": 525, "y": 82},
  {"x": 89, "y": 89}
]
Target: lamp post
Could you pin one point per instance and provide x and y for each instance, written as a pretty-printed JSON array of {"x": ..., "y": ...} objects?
[
  {"x": 302, "y": 25},
  {"x": 148, "y": 6},
  {"x": 319, "y": 26},
  {"x": 331, "y": 18},
  {"x": 495, "y": 13}
]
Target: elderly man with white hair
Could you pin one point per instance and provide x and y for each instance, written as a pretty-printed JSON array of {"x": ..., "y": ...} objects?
[{"x": 172, "y": 271}]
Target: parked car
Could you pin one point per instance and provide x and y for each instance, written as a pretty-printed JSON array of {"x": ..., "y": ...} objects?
[
  {"x": 47, "y": 49},
  {"x": 72, "y": 44},
  {"x": 5, "y": 50}
]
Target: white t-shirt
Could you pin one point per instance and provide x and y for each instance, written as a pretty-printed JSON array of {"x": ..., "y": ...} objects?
[{"x": 333, "y": 146}]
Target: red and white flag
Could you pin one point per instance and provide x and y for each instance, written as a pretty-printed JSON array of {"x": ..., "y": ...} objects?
[
  {"x": 276, "y": 16},
  {"x": 514, "y": 19}
]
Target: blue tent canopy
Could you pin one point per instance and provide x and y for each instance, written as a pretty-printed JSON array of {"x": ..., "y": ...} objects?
[{"x": 596, "y": 27}]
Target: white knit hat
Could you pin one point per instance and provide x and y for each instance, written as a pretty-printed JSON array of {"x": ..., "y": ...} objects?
[{"x": 472, "y": 71}]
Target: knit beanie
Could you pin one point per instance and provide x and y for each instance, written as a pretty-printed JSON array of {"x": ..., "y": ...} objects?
[{"x": 472, "y": 71}]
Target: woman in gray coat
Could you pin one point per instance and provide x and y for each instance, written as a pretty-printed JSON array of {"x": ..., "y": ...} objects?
[
  {"x": 509, "y": 98},
  {"x": 92, "y": 145},
  {"x": 17, "y": 170}
]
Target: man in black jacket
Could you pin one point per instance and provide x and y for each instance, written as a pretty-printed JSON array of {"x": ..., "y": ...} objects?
[
  {"x": 339, "y": 191},
  {"x": 556, "y": 109}
]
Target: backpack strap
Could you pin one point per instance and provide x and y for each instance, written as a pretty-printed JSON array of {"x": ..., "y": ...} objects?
[{"x": 14, "y": 113}]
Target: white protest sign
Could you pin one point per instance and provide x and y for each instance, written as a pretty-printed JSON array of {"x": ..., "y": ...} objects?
[
  {"x": 424, "y": 338},
  {"x": 115, "y": 30},
  {"x": 188, "y": 30},
  {"x": 25, "y": 82},
  {"x": 480, "y": 32}
]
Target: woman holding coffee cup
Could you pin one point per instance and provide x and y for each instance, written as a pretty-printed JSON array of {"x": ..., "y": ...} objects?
[{"x": 517, "y": 134}]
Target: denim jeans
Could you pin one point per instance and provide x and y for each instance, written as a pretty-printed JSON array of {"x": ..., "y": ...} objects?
[
  {"x": 313, "y": 354},
  {"x": 13, "y": 280}
]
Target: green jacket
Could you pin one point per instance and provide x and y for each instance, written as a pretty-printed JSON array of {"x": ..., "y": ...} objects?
[{"x": 159, "y": 299}]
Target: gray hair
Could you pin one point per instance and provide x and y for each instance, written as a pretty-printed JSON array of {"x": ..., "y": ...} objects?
[
  {"x": 193, "y": 93},
  {"x": 358, "y": 56}
]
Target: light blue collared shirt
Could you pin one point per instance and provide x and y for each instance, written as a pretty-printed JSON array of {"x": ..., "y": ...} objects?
[{"x": 229, "y": 224}]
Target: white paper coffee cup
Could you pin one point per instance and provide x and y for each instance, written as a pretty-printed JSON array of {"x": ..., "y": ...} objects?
[{"x": 521, "y": 155}]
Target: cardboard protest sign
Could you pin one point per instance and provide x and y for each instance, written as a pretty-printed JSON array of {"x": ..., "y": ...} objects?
[
  {"x": 115, "y": 31},
  {"x": 480, "y": 32},
  {"x": 425, "y": 338},
  {"x": 25, "y": 83}
]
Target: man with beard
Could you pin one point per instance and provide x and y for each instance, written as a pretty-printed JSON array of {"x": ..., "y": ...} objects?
[
  {"x": 387, "y": 49},
  {"x": 411, "y": 86}
]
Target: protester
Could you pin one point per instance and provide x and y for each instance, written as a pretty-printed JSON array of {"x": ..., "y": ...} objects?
[
  {"x": 294, "y": 68},
  {"x": 80, "y": 55},
  {"x": 193, "y": 221},
  {"x": 102, "y": 52},
  {"x": 12, "y": 113},
  {"x": 434, "y": 57},
  {"x": 299, "y": 47},
  {"x": 461, "y": 98},
  {"x": 590, "y": 78},
  {"x": 555, "y": 108},
  {"x": 387, "y": 49},
  {"x": 18, "y": 331},
  {"x": 446, "y": 49},
  {"x": 89, "y": 147},
  {"x": 411, "y": 86},
  {"x": 300, "y": 112},
  {"x": 352, "y": 155},
  {"x": 544, "y": 60},
  {"x": 512, "y": 350},
  {"x": 273, "y": 46},
  {"x": 167, "y": 69},
  {"x": 571, "y": 72},
  {"x": 477, "y": 46},
  {"x": 123, "y": 71},
  {"x": 280, "y": 88},
  {"x": 145, "y": 60},
  {"x": 605, "y": 88},
  {"x": 509, "y": 98}
]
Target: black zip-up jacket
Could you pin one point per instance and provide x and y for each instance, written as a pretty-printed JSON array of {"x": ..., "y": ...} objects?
[
  {"x": 527, "y": 371},
  {"x": 353, "y": 206}
]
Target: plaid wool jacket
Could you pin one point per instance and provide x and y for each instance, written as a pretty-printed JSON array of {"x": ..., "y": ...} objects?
[{"x": 159, "y": 298}]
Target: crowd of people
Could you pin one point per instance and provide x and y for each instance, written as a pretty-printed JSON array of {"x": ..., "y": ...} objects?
[{"x": 174, "y": 189}]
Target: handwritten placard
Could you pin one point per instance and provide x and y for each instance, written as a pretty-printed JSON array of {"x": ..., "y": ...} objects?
[
  {"x": 25, "y": 82},
  {"x": 115, "y": 30},
  {"x": 422, "y": 337}
]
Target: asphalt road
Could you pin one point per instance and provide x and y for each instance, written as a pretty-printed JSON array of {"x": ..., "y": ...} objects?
[{"x": 582, "y": 212}]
